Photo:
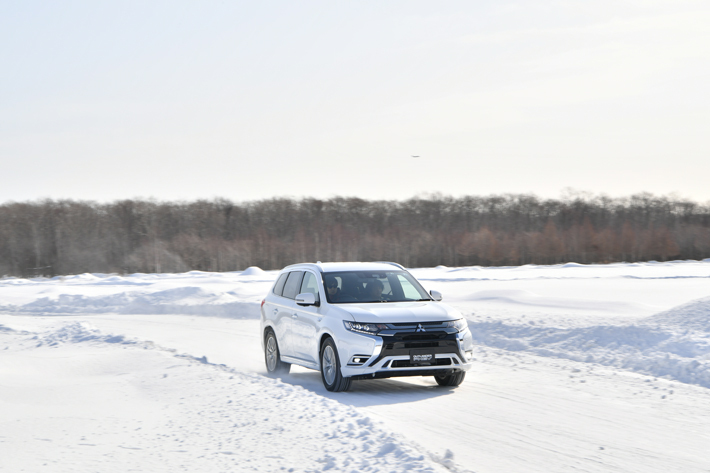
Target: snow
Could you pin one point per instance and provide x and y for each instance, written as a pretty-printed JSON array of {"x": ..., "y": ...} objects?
[
  {"x": 253, "y": 271},
  {"x": 591, "y": 368}
]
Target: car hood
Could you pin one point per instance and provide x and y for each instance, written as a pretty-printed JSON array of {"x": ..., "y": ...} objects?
[{"x": 398, "y": 312}]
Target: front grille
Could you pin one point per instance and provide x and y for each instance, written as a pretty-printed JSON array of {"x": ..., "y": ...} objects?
[
  {"x": 403, "y": 341},
  {"x": 414, "y": 324},
  {"x": 421, "y": 344},
  {"x": 408, "y": 364},
  {"x": 421, "y": 336}
]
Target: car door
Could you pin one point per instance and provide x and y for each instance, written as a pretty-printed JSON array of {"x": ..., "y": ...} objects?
[
  {"x": 284, "y": 309},
  {"x": 305, "y": 324}
]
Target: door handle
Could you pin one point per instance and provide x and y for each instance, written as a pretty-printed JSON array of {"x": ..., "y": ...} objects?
[
  {"x": 294, "y": 316},
  {"x": 276, "y": 311}
]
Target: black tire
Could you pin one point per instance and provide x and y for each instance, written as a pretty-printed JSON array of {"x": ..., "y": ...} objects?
[
  {"x": 272, "y": 356},
  {"x": 450, "y": 379},
  {"x": 333, "y": 379}
]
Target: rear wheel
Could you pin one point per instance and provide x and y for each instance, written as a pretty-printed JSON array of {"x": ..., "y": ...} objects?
[
  {"x": 450, "y": 379},
  {"x": 272, "y": 356},
  {"x": 333, "y": 379}
]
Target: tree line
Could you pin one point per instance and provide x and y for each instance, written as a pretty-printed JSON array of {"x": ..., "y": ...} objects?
[{"x": 54, "y": 237}]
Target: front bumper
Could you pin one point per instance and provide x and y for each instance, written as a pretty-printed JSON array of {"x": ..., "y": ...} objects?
[{"x": 452, "y": 351}]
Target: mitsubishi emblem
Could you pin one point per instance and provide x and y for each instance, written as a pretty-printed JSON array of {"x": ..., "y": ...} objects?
[{"x": 420, "y": 328}]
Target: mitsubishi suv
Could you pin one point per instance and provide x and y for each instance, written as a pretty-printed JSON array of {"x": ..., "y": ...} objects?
[{"x": 362, "y": 321}]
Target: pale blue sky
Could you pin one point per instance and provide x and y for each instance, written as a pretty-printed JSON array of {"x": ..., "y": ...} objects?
[{"x": 250, "y": 100}]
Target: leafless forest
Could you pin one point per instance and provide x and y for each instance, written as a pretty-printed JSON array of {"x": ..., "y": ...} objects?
[{"x": 68, "y": 237}]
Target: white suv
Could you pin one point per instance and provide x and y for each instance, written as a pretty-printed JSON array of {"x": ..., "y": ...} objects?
[{"x": 362, "y": 321}]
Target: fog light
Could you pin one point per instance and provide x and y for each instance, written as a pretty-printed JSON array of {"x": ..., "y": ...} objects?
[
  {"x": 469, "y": 355},
  {"x": 358, "y": 360}
]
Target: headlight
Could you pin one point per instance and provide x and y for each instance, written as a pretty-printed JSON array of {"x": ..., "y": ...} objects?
[
  {"x": 459, "y": 324},
  {"x": 371, "y": 329}
]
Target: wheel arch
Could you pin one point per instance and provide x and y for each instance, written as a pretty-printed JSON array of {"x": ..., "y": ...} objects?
[
  {"x": 264, "y": 331},
  {"x": 325, "y": 336},
  {"x": 268, "y": 326},
  {"x": 339, "y": 382}
]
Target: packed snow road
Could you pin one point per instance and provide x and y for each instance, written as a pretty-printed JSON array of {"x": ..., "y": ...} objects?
[{"x": 578, "y": 368}]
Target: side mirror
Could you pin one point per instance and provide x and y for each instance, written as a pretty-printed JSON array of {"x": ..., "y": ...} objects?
[
  {"x": 306, "y": 298},
  {"x": 436, "y": 295}
]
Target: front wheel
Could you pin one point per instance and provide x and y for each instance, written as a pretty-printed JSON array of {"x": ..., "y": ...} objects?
[
  {"x": 452, "y": 379},
  {"x": 333, "y": 379},
  {"x": 272, "y": 356}
]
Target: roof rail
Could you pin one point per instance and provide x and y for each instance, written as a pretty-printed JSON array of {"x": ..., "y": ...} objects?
[{"x": 393, "y": 264}]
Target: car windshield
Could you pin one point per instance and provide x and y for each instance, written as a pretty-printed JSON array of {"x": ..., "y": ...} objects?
[{"x": 372, "y": 286}]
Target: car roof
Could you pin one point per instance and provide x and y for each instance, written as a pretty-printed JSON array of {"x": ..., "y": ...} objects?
[{"x": 347, "y": 266}]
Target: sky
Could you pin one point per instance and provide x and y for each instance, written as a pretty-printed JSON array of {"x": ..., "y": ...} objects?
[{"x": 182, "y": 100}]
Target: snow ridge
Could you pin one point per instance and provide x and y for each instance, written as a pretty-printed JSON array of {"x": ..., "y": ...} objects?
[
  {"x": 694, "y": 315},
  {"x": 673, "y": 344},
  {"x": 78, "y": 332},
  {"x": 187, "y": 300}
]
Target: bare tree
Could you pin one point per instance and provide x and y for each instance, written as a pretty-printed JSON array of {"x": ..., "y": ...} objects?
[{"x": 61, "y": 237}]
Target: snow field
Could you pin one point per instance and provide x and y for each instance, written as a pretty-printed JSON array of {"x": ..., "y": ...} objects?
[
  {"x": 77, "y": 400},
  {"x": 589, "y": 368},
  {"x": 556, "y": 415}
]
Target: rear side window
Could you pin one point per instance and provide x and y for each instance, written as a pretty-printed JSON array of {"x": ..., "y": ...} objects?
[
  {"x": 279, "y": 287},
  {"x": 293, "y": 284}
]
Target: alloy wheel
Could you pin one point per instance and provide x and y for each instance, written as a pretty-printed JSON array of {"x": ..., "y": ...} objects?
[
  {"x": 329, "y": 365},
  {"x": 271, "y": 353}
]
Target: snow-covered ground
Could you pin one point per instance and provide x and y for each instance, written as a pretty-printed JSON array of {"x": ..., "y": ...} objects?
[{"x": 588, "y": 368}]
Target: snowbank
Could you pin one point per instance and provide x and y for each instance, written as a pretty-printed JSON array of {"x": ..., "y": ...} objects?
[
  {"x": 234, "y": 295},
  {"x": 253, "y": 271},
  {"x": 187, "y": 300},
  {"x": 694, "y": 315},
  {"x": 674, "y": 344}
]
